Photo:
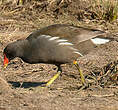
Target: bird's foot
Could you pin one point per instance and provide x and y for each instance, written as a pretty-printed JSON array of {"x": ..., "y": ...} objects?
[{"x": 83, "y": 87}]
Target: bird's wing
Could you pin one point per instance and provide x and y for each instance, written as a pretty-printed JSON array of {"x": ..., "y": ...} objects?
[
  {"x": 72, "y": 33},
  {"x": 53, "y": 49},
  {"x": 86, "y": 35}
]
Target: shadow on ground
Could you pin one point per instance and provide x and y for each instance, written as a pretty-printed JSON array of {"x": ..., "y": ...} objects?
[{"x": 26, "y": 84}]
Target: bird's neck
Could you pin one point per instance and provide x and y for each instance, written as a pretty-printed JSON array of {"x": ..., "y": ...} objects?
[{"x": 21, "y": 48}]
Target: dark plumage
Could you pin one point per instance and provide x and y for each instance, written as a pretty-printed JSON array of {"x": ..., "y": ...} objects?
[{"x": 56, "y": 44}]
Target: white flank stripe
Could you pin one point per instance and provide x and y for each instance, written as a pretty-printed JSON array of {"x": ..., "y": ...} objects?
[
  {"x": 99, "y": 40},
  {"x": 54, "y": 38},
  {"x": 78, "y": 53},
  {"x": 42, "y": 36},
  {"x": 65, "y": 43},
  {"x": 62, "y": 40},
  {"x": 46, "y": 36},
  {"x": 73, "y": 49}
]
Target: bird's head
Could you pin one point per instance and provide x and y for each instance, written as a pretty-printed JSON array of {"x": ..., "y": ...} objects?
[
  {"x": 15, "y": 49},
  {"x": 9, "y": 54}
]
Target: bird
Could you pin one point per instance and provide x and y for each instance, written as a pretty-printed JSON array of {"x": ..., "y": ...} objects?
[{"x": 55, "y": 44}]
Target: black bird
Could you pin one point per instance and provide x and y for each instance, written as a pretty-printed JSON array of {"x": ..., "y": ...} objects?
[{"x": 56, "y": 44}]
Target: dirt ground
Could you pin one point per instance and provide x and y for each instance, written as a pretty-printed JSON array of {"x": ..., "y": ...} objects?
[{"x": 20, "y": 83}]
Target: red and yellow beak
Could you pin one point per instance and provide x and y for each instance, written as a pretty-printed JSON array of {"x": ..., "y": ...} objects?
[{"x": 6, "y": 61}]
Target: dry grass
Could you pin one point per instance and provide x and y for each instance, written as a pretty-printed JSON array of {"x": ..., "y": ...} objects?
[
  {"x": 91, "y": 9},
  {"x": 104, "y": 9},
  {"x": 34, "y": 14}
]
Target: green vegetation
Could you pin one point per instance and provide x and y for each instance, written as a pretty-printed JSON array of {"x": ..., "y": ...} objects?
[{"x": 105, "y": 9}]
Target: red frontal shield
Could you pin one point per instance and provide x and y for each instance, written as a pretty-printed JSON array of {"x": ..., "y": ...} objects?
[{"x": 6, "y": 61}]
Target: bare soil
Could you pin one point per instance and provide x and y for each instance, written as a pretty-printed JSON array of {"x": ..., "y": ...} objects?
[{"x": 20, "y": 83}]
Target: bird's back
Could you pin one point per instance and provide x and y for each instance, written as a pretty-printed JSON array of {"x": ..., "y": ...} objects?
[
  {"x": 72, "y": 33},
  {"x": 78, "y": 36}
]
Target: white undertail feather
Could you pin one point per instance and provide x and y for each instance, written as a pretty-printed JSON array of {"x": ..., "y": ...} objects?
[{"x": 100, "y": 40}]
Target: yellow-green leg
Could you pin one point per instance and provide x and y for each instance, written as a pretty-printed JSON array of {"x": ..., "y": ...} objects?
[
  {"x": 20, "y": 2},
  {"x": 81, "y": 74},
  {"x": 53, "y": 78},
  {"x": 59, "y": 71}
]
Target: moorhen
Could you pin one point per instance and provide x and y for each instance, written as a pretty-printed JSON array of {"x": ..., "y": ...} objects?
[{"x": 56, "y": 44}]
